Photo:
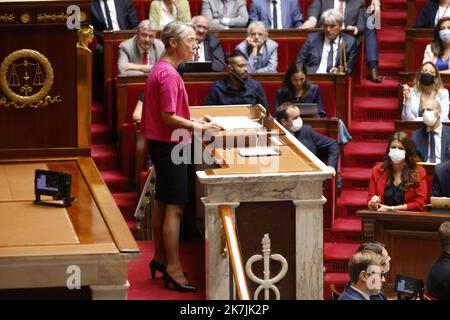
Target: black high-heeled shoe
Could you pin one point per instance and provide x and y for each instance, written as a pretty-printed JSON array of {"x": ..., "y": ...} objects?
[
  {"x": 179, "y": 287},
  {"x": 156, "y": 266}
]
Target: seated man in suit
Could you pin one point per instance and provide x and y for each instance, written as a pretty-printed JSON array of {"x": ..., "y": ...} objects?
[
  {"x": 441, "y": 180},
  {"x": 281, "y": 14},
  {"x": 320, "y": 52},
  {"x": 208, "y": 46},
  {"x": 231, "y": 90},
  {"x": 138, "y": 54},
  {"x": 288, "y": 114},
  {"x": 224, "y": 14},
  {"x": 366, "y": 272},
  {"x": 357, "y": 20},
  {"x": 432, "y": 140},
  {"x": 439, "y": 275},
  {"x": 260, "y": 52}
]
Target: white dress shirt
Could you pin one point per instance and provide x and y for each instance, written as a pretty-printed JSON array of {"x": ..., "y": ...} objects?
[
  {"x": 112, "y": 13},
  {"x": 365, "y": 295},
  {"x": 442, "y": 12},
  {"x": 325, "y": 50},
  {"x": 166, "y": 15},
  {"x": 437, "y": 144},
  {"x": 279, "y": 20}
]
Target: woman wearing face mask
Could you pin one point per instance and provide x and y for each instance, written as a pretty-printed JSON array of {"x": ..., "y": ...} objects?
[
  {"x": 397, "y": 183},
  {"x": 297, "y": 89},
  {"x": 438, "y": 51},
  {"x": 427, "y": 84}
]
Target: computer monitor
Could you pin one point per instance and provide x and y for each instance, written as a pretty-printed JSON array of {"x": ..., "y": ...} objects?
[
  {"x": 408, "y": 288},
  {"x": 196, "y": 66},
  {"x": 308, "y": 110}
]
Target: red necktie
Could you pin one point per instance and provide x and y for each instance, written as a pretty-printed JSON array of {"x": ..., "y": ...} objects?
[
  {"x": 145, "y": 58},
  {"x": 196, "y": 56}
]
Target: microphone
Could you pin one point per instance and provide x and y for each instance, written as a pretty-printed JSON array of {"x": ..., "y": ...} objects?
[{"x": 258, "y": 98}]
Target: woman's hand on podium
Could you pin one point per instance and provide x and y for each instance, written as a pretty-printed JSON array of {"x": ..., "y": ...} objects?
[{"x": 374, "y": 203}]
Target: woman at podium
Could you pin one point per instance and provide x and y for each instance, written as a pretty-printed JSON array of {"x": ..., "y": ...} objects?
[
  {"x": 167, "y": 124},
  {"x": 398, "y": 183}
]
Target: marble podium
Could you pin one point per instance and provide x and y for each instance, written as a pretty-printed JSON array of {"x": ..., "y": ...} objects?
[{"x": 276, "y": 195}]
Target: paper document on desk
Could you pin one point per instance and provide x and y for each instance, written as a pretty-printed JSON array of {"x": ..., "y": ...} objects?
[
  {"x": 236, "y": 123},
  {"x": 259, "y": 151}
]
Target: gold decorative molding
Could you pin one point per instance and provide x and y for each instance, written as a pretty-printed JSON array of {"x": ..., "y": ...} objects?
[
  {"x": 18, "y": 87},
  {"x": 25, "y": 18},
  {"x": 6, "y": 17},
  {"x": 44, "y": 17},
  {"x": 83, "y": 16},
  {"x": 85, "y": 36}
]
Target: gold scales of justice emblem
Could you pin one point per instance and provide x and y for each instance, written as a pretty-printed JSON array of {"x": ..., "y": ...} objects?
[{"x": 26, "y": 77}]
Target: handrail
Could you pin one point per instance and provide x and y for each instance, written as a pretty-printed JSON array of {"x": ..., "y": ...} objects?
[{"x": 235, "y": 253}]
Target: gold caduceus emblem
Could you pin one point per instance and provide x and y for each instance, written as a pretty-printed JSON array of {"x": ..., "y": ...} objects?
[{"x": 26, "y": 77}]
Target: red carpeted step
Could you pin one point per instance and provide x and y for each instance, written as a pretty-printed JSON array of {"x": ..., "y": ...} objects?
[
  {"x": 393, "y": 18},
  {"x": 379, "y": 131},
  {"x": 127, "y": 203},
  {"x": 363, "y": 154},
  {"x": 391, "y": 39},
  {"x": 347, "y": 225},
  {"x": 333, "y": 251},
  {"x": 394, "y": 4},
  {"x": 355, "y": 178},
  {"x": 143, "y": 288},
  {"x": 100, "y": 134},
  {"x": 338, "y": 279},
  {"x": 97, "y": 113},
  {"x": 376, "y": 109},
  {"x": 391, "y": 63},
  {"x": 349, "y": 202},
  {"x": 105, "y": 157},
  {"x": 117, "y": 182},
  {"x": 387, "y": 89}
]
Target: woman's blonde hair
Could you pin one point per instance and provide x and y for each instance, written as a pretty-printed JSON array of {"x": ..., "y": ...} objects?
[
  {"x": 437, "y": 85},
  {"x": 177, "y": 30}
]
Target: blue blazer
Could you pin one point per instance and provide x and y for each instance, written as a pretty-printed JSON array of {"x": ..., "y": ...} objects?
[
  {"x": 291, "y": 15},
  {"x": 420, "y": 138},
  {"x": 312, "y": 96},
  {"x": 441, "y": 180},
  {"x": 311, "y": 52},
  {"x": 267, "y": 62},
  {"x": 317, "y": 142},
  {"x": 351, "y": 294}
]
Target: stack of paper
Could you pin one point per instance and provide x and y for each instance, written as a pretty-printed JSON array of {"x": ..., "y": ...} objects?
[{"x": 236, "y": 122}]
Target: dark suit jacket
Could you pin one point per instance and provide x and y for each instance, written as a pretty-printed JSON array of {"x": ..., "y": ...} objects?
[
  {"x": 441, "y": 180},
  {"x": 316, "y": 142},
  {"x": 291, "y": 15},
  {"x": 420, "y": 138},
  {"x": 439, "y": 277},
  {"x": 428, "y": 14},
  {"x": 311, "y": 52},
  {"x": 213, "y": 47},
  {"x": 351, "y": 294},
  {"x": 354, "y": 12},
  {"x": 126, "y": 16}
]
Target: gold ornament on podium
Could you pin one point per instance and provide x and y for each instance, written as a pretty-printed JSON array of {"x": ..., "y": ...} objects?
[
  {"x": 6, "y": 17},
  {"x": 342, "y": 68},
  {"x": 26, "y": 77}
]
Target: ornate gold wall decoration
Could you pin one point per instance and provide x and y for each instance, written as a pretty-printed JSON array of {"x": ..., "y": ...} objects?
[
  {"x": 83, "y": 16},
  {"x": 85, "y": 36},
  {"x": 44, "y": 17},
  {"x": 26, "y": 77},
  {"x": 5, "y": 17},
  {"x": 25, "y": 18}
]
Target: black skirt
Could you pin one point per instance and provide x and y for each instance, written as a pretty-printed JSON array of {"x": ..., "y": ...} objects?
[{"x": 171, "y": 178}]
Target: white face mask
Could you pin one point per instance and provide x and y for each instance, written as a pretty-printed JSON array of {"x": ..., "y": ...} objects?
[
  {"x": 296, "y": 125},
  {"x": 396, "y": 155},
  {"x": 429, "y": 118}
]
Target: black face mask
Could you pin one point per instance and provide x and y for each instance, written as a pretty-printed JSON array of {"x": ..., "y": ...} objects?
[{"x": 426, "y": 79}]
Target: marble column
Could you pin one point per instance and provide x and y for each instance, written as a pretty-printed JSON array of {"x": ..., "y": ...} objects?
[{"x": 309, "y": 248}]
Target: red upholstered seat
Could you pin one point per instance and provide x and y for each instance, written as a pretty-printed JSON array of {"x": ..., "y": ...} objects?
[
  {"x": 197, "y": 92},
  {"x": 417, "y": 53},
  {"x": 228, "y": 45},
  {"x": 288, "y": 50}
]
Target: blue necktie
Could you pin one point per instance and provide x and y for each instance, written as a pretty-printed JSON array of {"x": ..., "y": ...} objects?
[
  {"x": 330, "y": 57},
  {"x": 432, "y": 156},
  {"x": 275, "y": 15}
]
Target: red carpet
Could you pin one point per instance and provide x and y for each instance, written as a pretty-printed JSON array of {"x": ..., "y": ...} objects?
[{"x": 143, "y": 288}]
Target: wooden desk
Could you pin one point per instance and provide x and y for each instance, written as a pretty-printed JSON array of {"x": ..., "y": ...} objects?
[
  {"x": 39, "y": 243},
  {"x": 410, "y": 239}
]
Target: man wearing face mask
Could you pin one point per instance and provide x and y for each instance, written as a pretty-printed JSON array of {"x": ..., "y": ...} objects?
[
  {"x": 288, "y": 114},
  {"x": 432, "y": 140},
  {"x": 366, "y": 272},
  {"x": 398, "y": 183}
]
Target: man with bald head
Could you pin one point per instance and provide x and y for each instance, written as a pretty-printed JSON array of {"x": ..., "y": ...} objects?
[
  {"x": 432, "y": 140},
  {"x": 209, "y": 47}
]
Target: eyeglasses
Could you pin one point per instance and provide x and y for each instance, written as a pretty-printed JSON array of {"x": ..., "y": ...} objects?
[
  {"x": 380, "y": 274},
  {"x": 190, "y": 40}
]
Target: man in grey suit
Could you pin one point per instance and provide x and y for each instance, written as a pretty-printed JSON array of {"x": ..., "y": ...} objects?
[
  {"x": 224, "y": 14},
  {"x": 138, "y": 54},
  {"x": 261, "y": 53}
]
